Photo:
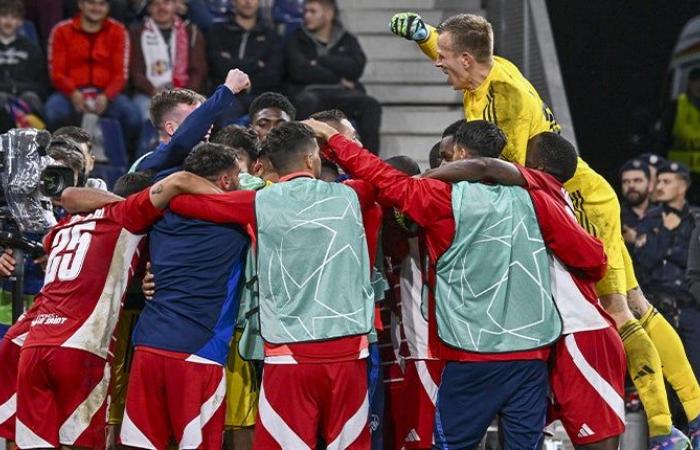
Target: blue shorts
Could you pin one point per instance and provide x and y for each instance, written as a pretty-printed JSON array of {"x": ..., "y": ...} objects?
[
  {"x": 375, "y": 384},
  {"x": 471, "y": 394},
  {"x": 3, "y": 329}
]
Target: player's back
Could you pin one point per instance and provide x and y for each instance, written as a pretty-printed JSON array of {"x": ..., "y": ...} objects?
[
  {"x": 91, "y": 259},
  {"x": 197, "y": 268}
]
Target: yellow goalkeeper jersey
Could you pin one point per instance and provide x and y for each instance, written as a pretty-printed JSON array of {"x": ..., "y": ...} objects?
[{"x": 507, "y": 99}]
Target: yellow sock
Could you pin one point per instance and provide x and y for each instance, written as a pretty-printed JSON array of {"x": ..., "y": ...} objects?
[
  {"x": 644, "y": 366},
  {"x": 676, "y": 367}
]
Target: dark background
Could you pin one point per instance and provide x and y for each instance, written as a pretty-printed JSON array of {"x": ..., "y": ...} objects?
[{"x": 614, "y": 55}]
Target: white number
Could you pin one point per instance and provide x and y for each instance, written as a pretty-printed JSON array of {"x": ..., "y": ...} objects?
[{"x": 68, "y": 252}]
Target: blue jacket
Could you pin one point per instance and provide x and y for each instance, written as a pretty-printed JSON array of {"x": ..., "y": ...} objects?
[
  {"x": 663, "y": 258},
  {"x": 198, "y": 269},
  {"x": 168, "y": 158}
]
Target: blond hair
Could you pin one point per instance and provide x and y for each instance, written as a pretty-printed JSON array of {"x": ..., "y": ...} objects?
[{"x": 470, "y": 33}]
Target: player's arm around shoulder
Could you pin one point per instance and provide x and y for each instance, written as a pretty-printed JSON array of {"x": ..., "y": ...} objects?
[
  {"x": 180, "y": 183},
  {"x": 77, "y": 200},
  {"x": 478, "y": 169}
]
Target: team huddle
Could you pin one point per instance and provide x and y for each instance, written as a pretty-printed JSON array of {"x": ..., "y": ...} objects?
[{"x": 517, "y": 296}]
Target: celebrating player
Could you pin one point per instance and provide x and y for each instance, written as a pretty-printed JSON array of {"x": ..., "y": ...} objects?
[
  {"x": 91, "y": 257},
  {"x": 316, "y": 299},
  {"x": 494, "y": 90},
  {"x": 590, "y": 357}
]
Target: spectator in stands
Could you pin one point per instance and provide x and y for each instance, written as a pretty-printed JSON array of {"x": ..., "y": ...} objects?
[
  {"x": 663, "y": 236},
  {"x": 679, "y": 128},
  {"x": 22, "y": 64},
  {"x": 324, "y": 65},
  {"x": 166, "y": 53},
  {"x": 636, "y": 190},
  {"x": 245, "y": 42},
  {"x": 88, "y": 66}
]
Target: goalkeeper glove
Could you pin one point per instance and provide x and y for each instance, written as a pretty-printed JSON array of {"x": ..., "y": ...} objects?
[{"x": 409, "y": 26}]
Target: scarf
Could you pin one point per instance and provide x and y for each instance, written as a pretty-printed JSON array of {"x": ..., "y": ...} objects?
[{"x": 163, "y": 68}]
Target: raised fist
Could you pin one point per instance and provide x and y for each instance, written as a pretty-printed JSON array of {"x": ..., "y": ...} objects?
[
  {"x": 409, "y": 26},
  {"x": 237, "y": 81}
]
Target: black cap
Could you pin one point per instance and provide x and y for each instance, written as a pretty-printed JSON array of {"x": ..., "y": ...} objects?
[
  {"x": 675, "y": 167},
  {"x": 636, "y": 164},
  {"x": 653, "y": 159}
]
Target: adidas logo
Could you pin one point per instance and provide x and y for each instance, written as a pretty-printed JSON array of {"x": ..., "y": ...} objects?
[
  {"x": 585, "y": 431},
  {"x": 412, "y": 436},
  {"x": 645, "y": 370}
]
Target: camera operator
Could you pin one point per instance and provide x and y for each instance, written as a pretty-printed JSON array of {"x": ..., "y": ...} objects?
[
  {"x": 661, "y": 249},
  {"x": 66, "y": 153}
]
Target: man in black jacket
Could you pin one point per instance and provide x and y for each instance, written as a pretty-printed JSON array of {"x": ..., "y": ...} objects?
[
  {"x": 247, "y": 43},
  {"x": 324, "y": 65},
  {"x": 22, "y": 64}
]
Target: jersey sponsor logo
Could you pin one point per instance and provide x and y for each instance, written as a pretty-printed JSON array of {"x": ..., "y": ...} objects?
[
  {"x": 585, "y": 431},
  {"x": 49, "y": 319},
  {"x": 412, "y": 436},
  {"x": 68, "y": 252}
]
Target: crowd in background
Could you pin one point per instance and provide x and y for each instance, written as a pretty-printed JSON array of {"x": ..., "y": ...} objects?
[{"x": 81, "y": 61}]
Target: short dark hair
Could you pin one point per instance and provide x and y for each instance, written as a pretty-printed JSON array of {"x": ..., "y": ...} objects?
[
  {"x": 481, "y": 137},
  {"x": 65, "y": 149},
  {"x": 557, "y": 155},
  {"x": 434, "y": 158},
  {"x": 470, "y": 33},
  {"x": 208, "y": 160},
  {"x": 131, "y": 183},
  {"x": 78, "y": 134},
  {"x": 272, "y": 100},
  {"x": 405, "y": 164},
  {"x": 12, "y": 7},
  {"x": 452, "y": 128},
  {"x": 286, "y": 143},
  {"x": 328, "y": 3},
  {"x": 329, "y": 115},
  {"x": 166, "y": 101},
  {"x": 238, "y": 138}
]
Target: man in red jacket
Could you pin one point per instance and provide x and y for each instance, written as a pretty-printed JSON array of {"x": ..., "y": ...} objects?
[{"x": 88, "y": 64}]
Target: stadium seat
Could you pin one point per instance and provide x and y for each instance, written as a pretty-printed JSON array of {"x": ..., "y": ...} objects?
[
  {"x": 28, "y": 30},
  {"x": 113, "y": 142},
  {"x": 288, "y": 15}
]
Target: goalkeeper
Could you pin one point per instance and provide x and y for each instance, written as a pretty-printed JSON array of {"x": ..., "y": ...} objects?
[{"x": 495, "y": 90}]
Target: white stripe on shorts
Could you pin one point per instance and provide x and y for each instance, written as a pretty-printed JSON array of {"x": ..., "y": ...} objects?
[
  {"x": 192, "y": 435},
  {"x": 131, "y": 436},
  {"x": 601, "y": 386},
  {"x": 27, "y": 439},
  {"x": 431, "y": 388},
  {"x": 80, "y": 419},
  {"x": 8, "y": 409},
  {"x": 352, "y": 428},
  {"x": 277, "y": 427}
]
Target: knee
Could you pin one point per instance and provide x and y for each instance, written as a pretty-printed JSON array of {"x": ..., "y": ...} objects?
[{"x": 616, "y": 306}]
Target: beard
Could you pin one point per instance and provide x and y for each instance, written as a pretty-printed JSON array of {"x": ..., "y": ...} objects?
[{"x": 634, "y": 198}]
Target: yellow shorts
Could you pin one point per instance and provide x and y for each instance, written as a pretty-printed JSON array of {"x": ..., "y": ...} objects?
[
  {"x": 241, "y": 389},
  {"x": 123, "y": 353},
  {"x": 597, "y": 209}
]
